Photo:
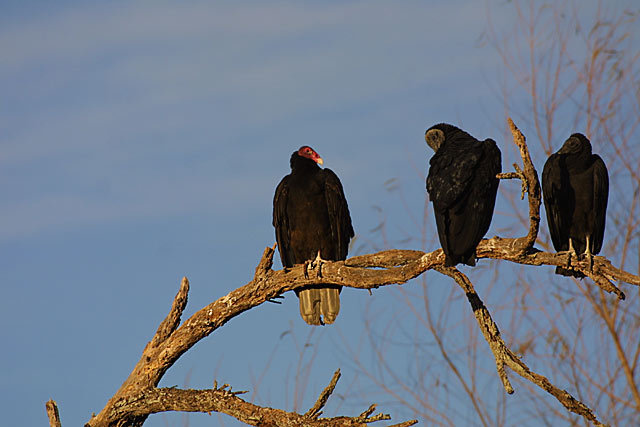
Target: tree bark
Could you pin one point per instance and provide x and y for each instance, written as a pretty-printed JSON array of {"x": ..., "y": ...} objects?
[{"x": 138, "y": 396}]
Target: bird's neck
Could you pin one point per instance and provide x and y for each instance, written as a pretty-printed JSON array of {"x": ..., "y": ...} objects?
[
  {"x": 302, "y": 165},
  {"x": 578, "y": 161}
]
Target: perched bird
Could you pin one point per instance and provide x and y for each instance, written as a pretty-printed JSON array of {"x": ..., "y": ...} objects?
[
  {"x": 462, "y": 185},
  {"x": 575, "y": 188},
  {"x": 312, "y": 221}
]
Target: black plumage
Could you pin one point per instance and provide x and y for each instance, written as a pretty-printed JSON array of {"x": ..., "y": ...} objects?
[
  {"x": 311, "y": 218},
  {"x": 462, "y": 185},
  {"x": 575, "y": 188}
]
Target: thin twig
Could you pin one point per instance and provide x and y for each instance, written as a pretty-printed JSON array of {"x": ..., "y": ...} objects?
[
  {"x": 533, "y": 187},
  {"x": 53, "y": 414},
  {"x": 504, "y": 356},
  {"x": 138, "y": 396},
  {"x": 316, "y": 409}
]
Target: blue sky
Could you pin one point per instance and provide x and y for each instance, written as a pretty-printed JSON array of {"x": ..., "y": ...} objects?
[{"x": 142, "y": 141}]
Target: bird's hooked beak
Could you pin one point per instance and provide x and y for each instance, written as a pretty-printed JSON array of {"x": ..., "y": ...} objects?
[
  {"x": 571, "y": 145},
  {"x": 309, "y": 153}
]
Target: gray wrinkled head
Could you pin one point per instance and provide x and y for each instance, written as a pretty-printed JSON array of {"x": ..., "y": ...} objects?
[
  {"x": 576, "y": 144},
  {"x": 434, "y": 138}
]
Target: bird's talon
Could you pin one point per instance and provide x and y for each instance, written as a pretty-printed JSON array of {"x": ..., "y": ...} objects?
[
  {"x": 306, "y": 269},
  {"x": 589, "y": 255},
  {"x": 318, "y": 262}
]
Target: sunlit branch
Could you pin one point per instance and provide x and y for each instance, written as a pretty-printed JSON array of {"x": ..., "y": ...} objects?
[{"x": 138, "y": 396}]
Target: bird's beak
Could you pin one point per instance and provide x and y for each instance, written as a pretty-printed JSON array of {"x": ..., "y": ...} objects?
[
  {"x": 320, "y": 161},
  {"x": 568, "y": 145}
]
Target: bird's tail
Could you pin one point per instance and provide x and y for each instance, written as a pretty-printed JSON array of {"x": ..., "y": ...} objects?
[
  {"x": 451, "y": 260},
  {"x": 310, "y": 305},
  {"x": 319, "y": 301},
  {"x": 330, "y": 304},
  {"x": 569, "y": 272}
]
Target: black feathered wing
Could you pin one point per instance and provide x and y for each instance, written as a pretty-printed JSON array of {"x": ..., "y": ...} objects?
[
  {"x": 451, "y": 171},
  {"x": 339, "y": 218},
  {"x": 281, "y": 222},
  {"x": 310, "y": 299},
  {"x": 450, "y": 174},
  {"x": 341, "y": 234},
  {"x": 600, "y": 197},
  {"x": 462, "y": 185},
  {"x": 556, "y": 202},
  {"x": 483, "y": 192},
  {"x": 333, "y": 242}
]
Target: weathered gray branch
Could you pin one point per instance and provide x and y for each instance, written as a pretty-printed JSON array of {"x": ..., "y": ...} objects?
[
  {"x": 52, "y": 413},
  {"x": 154, "y": 400},
  {"x": 363, "y": 272},
  {"x": 503, "y": 354},
  {"x": 316, "y": 410},
  {"x": 138, "y": 396},
  {"x": 532, "y": 185}
]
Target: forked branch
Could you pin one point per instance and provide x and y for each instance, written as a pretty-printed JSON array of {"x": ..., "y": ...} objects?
[
  {"x": 224, "y": 400},
  {"x": 139, "y": 396},
  {"x": 52, "y": 413},
  {"x": 503, "y": 354}
]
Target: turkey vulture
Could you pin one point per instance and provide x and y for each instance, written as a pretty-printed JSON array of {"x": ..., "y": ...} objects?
[
  {"x": 311, "y": 218},
  {"x": 462, "y": 185},
  {"x": 575, "y": 188}
]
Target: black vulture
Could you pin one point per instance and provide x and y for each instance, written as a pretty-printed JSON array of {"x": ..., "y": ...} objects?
[
  {"x": 462, "y": 185},
  {"x": 575, "y": 188},
  {"x": 312, "y": 221}
]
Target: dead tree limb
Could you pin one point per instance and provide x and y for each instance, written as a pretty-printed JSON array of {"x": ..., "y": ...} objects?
[
  {"x": 316, "y": 410},
  {"x": 138, "y": 396},
  {"x": 503, "y": 354},
  {"x": 530, "y": 185},
  {"x": 224, "y": 400},
  {"x": 52, "y": 413}
]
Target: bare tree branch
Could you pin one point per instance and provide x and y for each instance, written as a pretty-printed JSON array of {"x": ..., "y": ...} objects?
[
  {"x": 52, "y": 413},
  {"x": 316, "y": 410},
  {"x": 156, "y": 400},
  {"x": 532, "y": 187},
  {"x": 171, "y": 322},
  {"x": 138, "y": 396},
  {"x": 483, "y": 317},
  {"x": 504, "y": 355}
]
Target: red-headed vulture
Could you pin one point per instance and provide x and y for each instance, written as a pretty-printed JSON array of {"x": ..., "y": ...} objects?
[{"x": 311, "y": 218}]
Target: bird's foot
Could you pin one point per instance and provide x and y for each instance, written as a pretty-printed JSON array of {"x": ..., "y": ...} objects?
[
  {"x": 570, "y": 255},
  {"x": 317, "y": 263},
  {"x": 589, "y": 256},
  {"x": 306, "y": 266}
]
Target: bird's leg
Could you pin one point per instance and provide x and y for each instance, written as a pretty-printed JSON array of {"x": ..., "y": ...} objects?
[
  {"x": 589, "y": 255},
  {"x": 306, "y": 269},
  {"x": 572, "y": 252},
  {"x": 318, "y": 261}
]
